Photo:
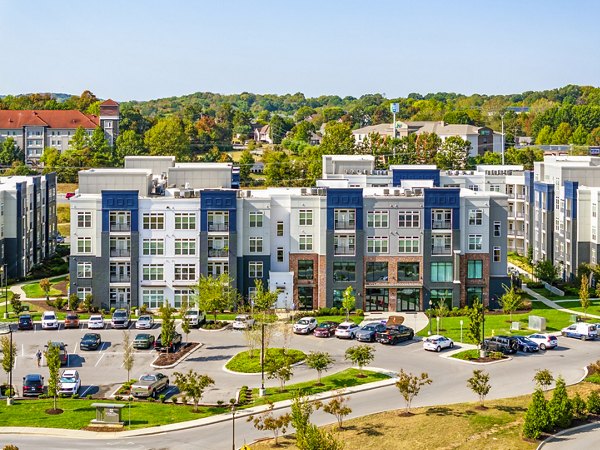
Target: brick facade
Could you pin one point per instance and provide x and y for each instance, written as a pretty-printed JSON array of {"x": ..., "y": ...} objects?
[
  {"x": 470, "y": 282},
  {"x": 314, "y": 283}
]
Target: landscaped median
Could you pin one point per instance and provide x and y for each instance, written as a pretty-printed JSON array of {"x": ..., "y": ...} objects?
[{"x": 249, "y": 361}]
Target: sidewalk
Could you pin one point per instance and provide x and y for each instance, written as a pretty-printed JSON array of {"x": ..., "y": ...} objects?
[{"x": 555, "y": 305}]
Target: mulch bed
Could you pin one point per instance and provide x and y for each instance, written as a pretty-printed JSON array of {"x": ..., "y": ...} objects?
[
  {"x": 61, "y": 286},
  {"x": 104, "y": 429},
  {"x": 171, "y": 358},
  {"x": 486, "y": 359},
  {"x": 53, "y": 411}
]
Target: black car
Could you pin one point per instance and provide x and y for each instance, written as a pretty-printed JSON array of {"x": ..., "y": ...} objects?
[
  {"x": 526, "y": 345},
  {"x": 33, "y": 384},
  {"x": 25, "y": 322},
  {"x": 505, "y": 344},
  {"x": 394, "y": 334},
  {"x": 158, "y": 345},
  {"x": 90, "y": 341}
]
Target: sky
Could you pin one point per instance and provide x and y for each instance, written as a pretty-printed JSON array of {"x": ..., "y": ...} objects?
[{"x": 146, "y": 49}]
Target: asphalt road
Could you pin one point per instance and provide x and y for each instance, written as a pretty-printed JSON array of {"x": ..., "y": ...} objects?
[
  {"x": 449, "y": 380},
  {"x": 586, "y": 438}
]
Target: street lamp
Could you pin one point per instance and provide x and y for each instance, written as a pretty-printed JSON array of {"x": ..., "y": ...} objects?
[
  {"x": 261, "y": 392},
  {"x": 5, "y": 277},
  {"x": 232, "y": 425},
  {"x": 7, "y": 328}
]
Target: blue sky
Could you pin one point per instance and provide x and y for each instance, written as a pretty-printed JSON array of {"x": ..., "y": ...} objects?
[{"x": 134, "y": 49}]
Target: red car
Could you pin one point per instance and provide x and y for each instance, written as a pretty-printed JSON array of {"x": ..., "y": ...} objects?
[
  {"x": 326, "y": 329},
  {"x": 68, "y": 195}
]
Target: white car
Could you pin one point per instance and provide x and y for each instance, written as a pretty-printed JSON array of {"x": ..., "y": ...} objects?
[
  {"x": 144, "y": 322},
  {"x": 436, "y": 343},
  {"x": 346, "y": 330},
  {"x": 69, "y": 382},
  {"x": 96, "y": 322},
  {"x": 306, "y": 325},
  {"x": 544, "y": 341},
  {"x": 195, "y": 317},
  {"x": 49, "y": 321},
  {"x": 242, "y": 322}
]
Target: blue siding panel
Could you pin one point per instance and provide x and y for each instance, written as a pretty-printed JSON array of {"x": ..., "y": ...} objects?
[
  {"x": 344, "y": 198},
  {"x": 571, "y": 193},
  {"x": 442, "y": 198},
  {"x": 218, "y": 200},
  {"x": 120, "y": 201},
  {"x": 548, "y": 189},
  {"x": 529, "y": 183},
  {"x": 418, "y": 174}
]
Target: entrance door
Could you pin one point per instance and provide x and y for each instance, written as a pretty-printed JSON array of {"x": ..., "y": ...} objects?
[
  {"x": 377, "y": 300},
  {"x": 408, "y": 299}
]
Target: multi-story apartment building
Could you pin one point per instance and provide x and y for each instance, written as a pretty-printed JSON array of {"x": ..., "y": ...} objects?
[
  {"x": 34, "y": 130},
  {"x": 144, "y": 235},
  {"x": 27, "y": 222}
]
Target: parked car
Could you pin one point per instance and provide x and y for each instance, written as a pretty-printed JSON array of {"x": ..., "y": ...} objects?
[
  {"x": 581, "y": 330},
  {"x": 68, "y": 195},
  {"x": 120, "y": 319},
  {"x": 49, "y": 321},
  {"x": 96, "y": 322},
  {"x": 149, "y": 385},
  {"x": 143, "y": 341},
  {"x": 33, "y": 384},
  {"x": 69, "y": 382},
  {"x": 90, "y": 341},
  {"x": 71, "y": 320},
  {"x": 242, "y": 321},
  {"x": 158, "y": 345},
  {"x": 144, "y": 322},
  {"x": 527, "y": 345},
  {"x": 367, "y": 332},
  {"x": 60, "y": 239},
  {"x": 394, "y": 334},
  {"x": 25, "y": 322},
  {"x": 64, "y": 355},
  {"x": 325, "y": 329},
  {"x": 305, "y": 325},
  {"x": 436, "y": 343},
  {"x": 544, "y": 341},
  {"x": 346, "y": 330},
  {"x": 504, "y": 344},
  {"x": 195, "y": 317}
]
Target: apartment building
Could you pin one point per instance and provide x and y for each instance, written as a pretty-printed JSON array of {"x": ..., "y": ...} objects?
[
  {"x": 34, "y": 130},
  {"x": 27, "y": 222},
  {"x": 144, "y": 235}
]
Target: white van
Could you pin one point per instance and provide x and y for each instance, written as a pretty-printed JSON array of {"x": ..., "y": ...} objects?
[{"x": 581, "y": 331}]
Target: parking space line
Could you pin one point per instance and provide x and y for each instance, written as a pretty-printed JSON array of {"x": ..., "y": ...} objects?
[
  {"x": 85, "y": 392},
  {"x": 100, "y": 359}
]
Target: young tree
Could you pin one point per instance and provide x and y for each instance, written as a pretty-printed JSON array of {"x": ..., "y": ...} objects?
[
  {"x": 579, "y": 408},
  {"x": 167, "y": 333},
  {"x": 453, "y": 153},
  {"x": 281, "y": 371},
  {"x": 193, "y": 385},
  {"x": 308, "y": 435},
  {"x": 510, "y": 301},
  {"x": 246, "y": 163},
  {"x": 268, "y": 421},
  {"x": 544, "y": 270},
  {"x": 360, "y": 355},
  {"x": 537, "y": 418},
  {"x": 348, "y": 301},
  {"x": 74, "y": 301},
  {"x": 559, "y": 406},
  {"x": 45, "y": 286},
  {"x": 338, "y": 407},
  {"x": 9, "y": 355},
  {"x": 16, "y": 304},
  {"x": 410, "y": 385},
  {"x": 319, "y": 361},
  {"x": 441, "y": 310},
  {"x": 128, "y": 353},
  {"x": 88, "y": 302},
  {"x": 593, "y": 403},
  {"x": 584, "y": 294},
  {"x": 168, "y": 137},
  {"x": 480, "y": 384},
  {"x": 475, "y": 315},
  {"x": 543, "y": 379},
  {"x": 53, "y": 362},
  {"x": 263, "y": 299},
  {"x": 186, "y": 326},
  {"x": 215, "y": 294}
]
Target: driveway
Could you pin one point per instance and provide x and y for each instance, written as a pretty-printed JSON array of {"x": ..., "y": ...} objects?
[{"x": 586, "y": 437}]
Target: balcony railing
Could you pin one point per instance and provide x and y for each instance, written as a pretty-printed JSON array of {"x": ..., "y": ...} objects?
[
  {"x": 519, "y": 215},
  {"x": 345, "y": 225},
  {"x": 120, "y": 278},
  {"x": 120, "y": 252},
  {"x": 217, "y": 253},
  {"x": 520, "y": 196},
  {"x": 120, "y": 227},
  {"x": 441, "y": 224},
  {"x": 344, "y": 249},
  {"x": 441, "y": 250},
  {"x": 516, "y": 233},
  {"x": 218, "y": 227}
]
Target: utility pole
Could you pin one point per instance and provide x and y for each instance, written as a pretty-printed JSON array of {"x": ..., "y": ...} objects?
[
  {"x": 395, "y": 108},
  {"x": 502, "y": 120}
]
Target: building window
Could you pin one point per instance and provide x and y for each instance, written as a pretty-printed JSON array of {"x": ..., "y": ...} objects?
[
  {"x": 497, "y": 229},
  {"x": 183, "y": 298},
  {"x": 475, "y": 217},
  {"x": 84, "y": 219},
  {"x": 84, "y": 270},
  {"x": 594, "y": 209},
  {"x": 185, "y": 221},
  {"x": 441, "y": 219},
  {"x": 279, "y": 228},
  {"x": 497, "y": 254},
  {"x": 84, "y": 245},
  {"x": 108, "y": 124},
  {"x": 305, "y": 298},
  {"x": 82, "y": 292},
  {"x": 475, "y": 269},
  {"x": 344, "y": 219},
  {"x": 185, "y": 247},
  {"x": 441, "y": 295},
  {"x": 256, "y": 219},
  {"x": 409, "y": 244},
  {"x": 153, "y": 272},
  {"x": 256, "y": 245},
  {"x": 408, "y": 271},
  {"x": 409, "y": 219},
  {"x": 473, "y": 187},
  {"x": 378, "y": 219},
  {"x": 594, "y": 232},
  {"x": 153, "y": 221},
  {"x": 344, "y": 271},
  {"x": 441, "y": 272},
  {"x": 475, "y": 242},
  {"x": 153, "y": 298},
  {"x": 377, "y": 244},
  {"x": 305, "y": 269},
  {"x": 377, "y": 271},
  {"x": 185, "y": 272},
  {"x": 215, "y": 269},
  {"x": 280, "y": 254},
  {"x": 441, "y": 244},
  {"x": 218, "y": 220},
  {"x": 255, "y": 269},
  {"x": 474, "y": 293},
  {"x": 305, "y": 217},
  {"x": 305, "y": 242},
  {"x": 153, "y": 247}
]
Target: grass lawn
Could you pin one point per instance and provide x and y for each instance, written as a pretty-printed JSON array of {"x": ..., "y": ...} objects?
[
  {"x": 33, "y": 290},
  {"x": 242, "y": 362},
  {"x": 340, "y": 319},
  {"x": 575, "y": 305},
  {"x": 520, "y": 261},
  {"x": 63, "y": 213},
  {"x": 344, "y": 379},
  {"x": 64, "y": 229},
  {"x": 550, "y": 296},
  {"x": 458, "y": 426},
  {"x": 496, "y": 324},
  {"x": 63, "y": 188},
  {"x": 467, "y": 355},
  {"x": 78, "y": 413}
]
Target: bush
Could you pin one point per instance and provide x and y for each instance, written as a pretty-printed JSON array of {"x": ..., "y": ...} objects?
[
  {"x": 578, "y": 407},
  {"x": 75, "y": 396},
  {"x": 49, "y": 267},
  {"x": 535, "y": 285},
  {"x": 496, "y": 355},
  {"x": 537, "y": 418},
  {"x": 359, "y": 312},
  {"x": 143, "y": 308},
  {"x": 59, "y": 303},
  {"x": 150, "y": 399},
  {"x": 559, "y": 407},
  {"x": 89, "y": 397},
  {"x": 162, "y": 398},
  {"x": 118, "y": 397},
  {"x": 593, "y": 403}
]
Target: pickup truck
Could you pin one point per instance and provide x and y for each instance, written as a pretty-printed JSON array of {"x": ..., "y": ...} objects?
[
  {"x": 394, "y": 334},
  {"x": 195, "y": 317},
  {"x": 158, "y": 345},
  {"x": 149, "y": 385}
]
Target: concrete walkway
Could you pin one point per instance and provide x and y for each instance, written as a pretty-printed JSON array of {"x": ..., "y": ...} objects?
[{"x": 555, "y": 305}]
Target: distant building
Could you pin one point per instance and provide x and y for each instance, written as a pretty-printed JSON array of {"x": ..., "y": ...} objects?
[
  {"x": 263, "y": 134},
  {"x": 315, "y": 139}
]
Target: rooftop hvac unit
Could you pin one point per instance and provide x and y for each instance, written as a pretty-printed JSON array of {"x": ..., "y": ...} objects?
[
  {"x": 322, "y": 191},
  {"x": 397, "y": 192},
  {"x": 248, "y": 194},
  {"x": 187, "y": 194},
  {"x": 408, "y": 192},
  {"x": 240, "y": 194},
  {"x": 177, "y": 194},
  {"x": 386, "y": 192},
  {"x": 303, "y": 191},
  {"x": 314, "y": 191}
]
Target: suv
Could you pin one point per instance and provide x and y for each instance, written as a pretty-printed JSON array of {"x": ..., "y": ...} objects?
[
  {"x": 504, "y": 344},
  {"x": 25, "y": 322},
  {"x": 71, "y": 320},
  {"x": 120, "y": 319},
  {"x": 195, "y": 317}
]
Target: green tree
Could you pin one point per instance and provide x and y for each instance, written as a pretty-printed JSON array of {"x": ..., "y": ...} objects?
[
  {"x": 279, "y": 168},
  {"x": 167, "y": 331},
  {"x": 579, "y": 135},
  {"x": 246, "y": 163},
  {"x": 348, "y": 301},
  {"x": 214, "y": 294},
  {"x": 88, "y": 302},
  {"x": 579, "y": 407},
  {"x": 50, "y": 158},
  {"x": 559, "y": 406},
  {"x": 16, "y": 304},
  {"x": 510, "y": 301},
  {"x": 193, "y": 385},
  {"x": 303, "y": 131},
  {"x": 278, "y": 128},
  {"x": 537, "y": 418},
  {"x": 308, "y": 435},
  {"x": 186, "y": 326},
  {"x": 19, "y": 169},
  {"x": 338, "y": 407},
  {"x": 593, "y": 402},
  {"x": 426, "y": 147},
  {"x": 545, "y": 135},
  {"x": 584, "y": 294},
  {"x": 544, "y": 270},
  {"x": 74, "y": 301},
  {"x": 360, "y": 355},
  {"x": 80, "y": 141},
  {"x": 168, "y": 138},
  {"x": 9, "y": 355},
  {"x": 410, "y": 385},
  {"x": 562, "y": 135},
  {"x": 45, "y": 286},
  {"x": 267, "y": 421},
  {"x": 319, "y": 361},
  {"x": 101, "y": 153},
  {"x": 475, "y": 315},
  {"x": 282, "y": 371},
  {"x": 128, "y": 353},
  {"x": 543, "y": 379},
  {"x": 10, "y": 152},
  {"x": 453, "y": 153},
  {"x": 338, "y": 139},
  {"x": 303, "y": 112},
  {"x": 479, "y": 383},
  {"x": 263, "y": 299},
  {"x": 594, "y": 137},
  {"x": 129, "y": 143},
  {"x": 53, "y": 362}
]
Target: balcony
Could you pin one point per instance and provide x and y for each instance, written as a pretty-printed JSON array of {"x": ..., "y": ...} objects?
[
  {"x": 441, "y": 250},
  {"x": 120, "y": 278},
  {"x": 520, "y": 196},
  {"x": 516, "y": 233},
  {"x": 216, "y": 226},
  {"x": 120, "y": 227},
  {"x": 344, "y": 249},
  {"x": 218, "y": 253},
  {"x": 441, "y": 224},
  {"x": 344, "y": 225},
  {"x": 120, "y": 252}
]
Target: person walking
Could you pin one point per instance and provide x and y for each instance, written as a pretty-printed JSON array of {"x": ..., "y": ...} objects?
[{"x": 38, "y": 356}]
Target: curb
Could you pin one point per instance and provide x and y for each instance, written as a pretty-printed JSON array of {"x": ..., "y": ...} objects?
[
  {"x": 226, "y": 327},
  {"x": 563, "y": 432},
  {"x": 233, "y": 372},
  {"x": 449, "y": 356},
  {"x": 170, "y": 366}
]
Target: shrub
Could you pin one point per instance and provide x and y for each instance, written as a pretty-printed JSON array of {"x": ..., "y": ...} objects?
[
  {"x": 593, "y": 403},
  {"x": 162, "y": 398},
  {"x": 89, "y": 397},
  {"x": 118, "y": 397},
  {"x": 559, "y": 407},
  {"x": 578, "y": 407},
  {"x": 60, "y": 303},
  {"x": 496, "y": 355},
  {"x": 537, "y": 418},
  {"x": 359, "y": 312},
  {"x": 184, "y": 399},
  {"x": 143, "y": 309},
  {"x": 150, "y": 399},
  {"x": 75, "y": 396}
]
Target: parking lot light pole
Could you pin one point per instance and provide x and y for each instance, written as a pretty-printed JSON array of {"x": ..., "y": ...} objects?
[
  {"x": 233, "y": 426},
  {"x": 261, "y": 392},
  {"x": 5, "y": 290}
]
